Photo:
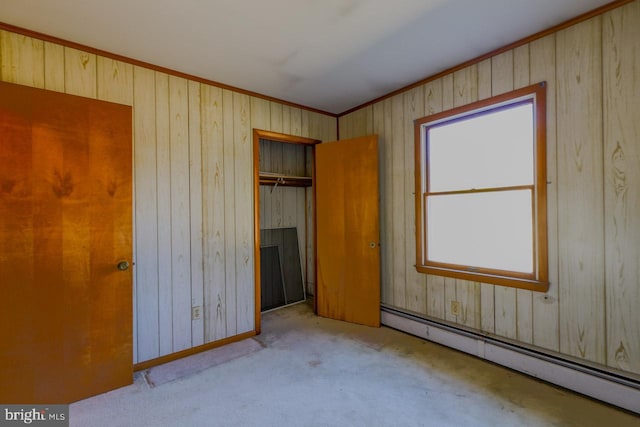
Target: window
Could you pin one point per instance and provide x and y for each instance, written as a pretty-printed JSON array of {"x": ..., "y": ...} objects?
[{"x": 481, "y": 191}]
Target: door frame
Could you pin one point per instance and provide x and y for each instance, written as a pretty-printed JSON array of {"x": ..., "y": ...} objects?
[{"x": 259, "y": 134}]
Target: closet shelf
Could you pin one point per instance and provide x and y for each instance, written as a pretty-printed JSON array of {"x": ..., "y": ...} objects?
[{"x": 270, "y": 178}]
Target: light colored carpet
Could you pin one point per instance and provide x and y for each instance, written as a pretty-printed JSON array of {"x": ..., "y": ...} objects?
[
  {"x": 318, "y": 372},
  {"x": 187, "y": 366}
]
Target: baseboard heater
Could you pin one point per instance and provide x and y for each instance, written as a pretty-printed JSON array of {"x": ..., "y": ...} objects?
[{"x": 607, "y": 387}]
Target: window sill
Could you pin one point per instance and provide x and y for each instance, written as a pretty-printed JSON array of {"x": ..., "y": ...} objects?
[{"x": 513, "y": 282}]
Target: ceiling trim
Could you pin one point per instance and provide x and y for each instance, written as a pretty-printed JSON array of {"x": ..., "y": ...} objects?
[
  {"x": 89, "y": 49},
  {"x": 566, "y": 24}
]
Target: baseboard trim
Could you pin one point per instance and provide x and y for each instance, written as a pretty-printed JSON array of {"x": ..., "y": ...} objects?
[{"x": 601, "y": 385}]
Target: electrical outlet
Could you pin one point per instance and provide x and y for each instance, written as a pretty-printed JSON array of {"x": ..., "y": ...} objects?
[
  {"x": 455, "y": 308},
  {"x": 195, "y": 312}
]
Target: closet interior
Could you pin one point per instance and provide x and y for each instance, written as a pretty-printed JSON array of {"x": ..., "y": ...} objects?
[{"x": 286, "y": 223}]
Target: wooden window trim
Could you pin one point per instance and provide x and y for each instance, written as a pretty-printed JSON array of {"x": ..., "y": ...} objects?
[{"x": 538, "y": 281}]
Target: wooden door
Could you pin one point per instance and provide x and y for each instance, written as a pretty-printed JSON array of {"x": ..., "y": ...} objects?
[
  {"x": 348, "y": 230},
  {"x": 65, "y": 224}
]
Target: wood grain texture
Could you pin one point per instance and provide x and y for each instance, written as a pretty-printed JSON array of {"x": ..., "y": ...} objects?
[
  {"x": 621, "y": 59},
  {"x": 580, "y": 191},
  {"x": 65, "y": 204},
  {"x": 229, "y": 173},
  {"x": 195, "y": 211},
  {"x": 214, "y": 232},
  {"x": 545, "y": 305},
  {"x": 180, "y": 213},
  {"x": 114, "y": 81},
  {"x": 415, "y": 290},
  {"x": 53, "y": 67},
  {"x": 347, "y": 222},
  {"x": 80, "y": 73},
  {"x": 398, "y": 202},
  {"x": 146, "y": 225},
  {"x": 243, "y": 166},
  {"x": 21, "y": 60},
  {"x": 163, "y": 178},
  {"x": 387, "y": 248}
]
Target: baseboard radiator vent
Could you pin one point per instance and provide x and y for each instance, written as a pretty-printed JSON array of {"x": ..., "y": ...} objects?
[{"x": 601, "y": 385}]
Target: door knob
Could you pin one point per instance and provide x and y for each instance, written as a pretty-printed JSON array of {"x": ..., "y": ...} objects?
[
  {"x": 123, "y": 265},
  {"x": 373, "y": 245}
]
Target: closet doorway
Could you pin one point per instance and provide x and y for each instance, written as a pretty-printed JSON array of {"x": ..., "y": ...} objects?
[
  {"x": 284, "y": 204},
  {"x": 339, "y": 236}
]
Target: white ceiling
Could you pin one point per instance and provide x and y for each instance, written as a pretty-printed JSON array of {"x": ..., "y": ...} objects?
[{"x": 327, "y": 54}]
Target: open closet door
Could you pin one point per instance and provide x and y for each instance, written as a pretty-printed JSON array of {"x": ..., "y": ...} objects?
[{"x": 348, "y": 230}]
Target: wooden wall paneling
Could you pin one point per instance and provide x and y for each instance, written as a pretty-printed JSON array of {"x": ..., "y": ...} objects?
[
  {"x": 315, "y": 126},
  {"x": 505, "y": 304},
  {"x": 542, "y": 66},
  {"x": 266, "y": 219},
  {"x": 243, "y": 141},
  {"x": 195, "y": 211},
  {"x": 345, "y": 126},
  {"x": 21, "y": 59},
  {"x": 260, "y": 111},
  {"x": 262, "y": 117},
  {"x": 362, "y": 122},
  {"x": 435, "y": 284},
  {"x": 304, "y": 122},
  {"x": 53, "y": 67},
  {"x": 80, "y": 73},
  {"x": 230, "y": 239},
  {"x": 465, "y": 91},
  {"x": 146, "y": 225},
  {"x": 524, "y": 298},
  {"x": 114, "y": 80},
  {"x": 386, "y": 228},
  {"x": 286, "y": 120},
  {"x": 621, "y": 59},
  {"x": 275, "y": 117},
  {"x": 295, "y": 120},
  {"x": 330, "y": 128},
  {"x": 398, "y": 199},
  {"x": 580, "y": 191},
  {"x": 487, "y": 297},
  {"x": 213, "y": 208},
  {"x": 180, "y": 212},
  {"x": 383, "y": 147},
  {"x": 163, "y": 185},
  {"x": 415, "y": 290}
]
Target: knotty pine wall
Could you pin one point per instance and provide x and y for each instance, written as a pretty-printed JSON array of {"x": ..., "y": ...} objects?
[
  {"x": 591, "y": 309},
  {"x": 193, "y": 171}
]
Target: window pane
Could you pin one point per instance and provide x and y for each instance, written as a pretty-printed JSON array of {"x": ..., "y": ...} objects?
[
  {"x": 489, "y": 230},
  {"x": 486, "y": 151}
]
